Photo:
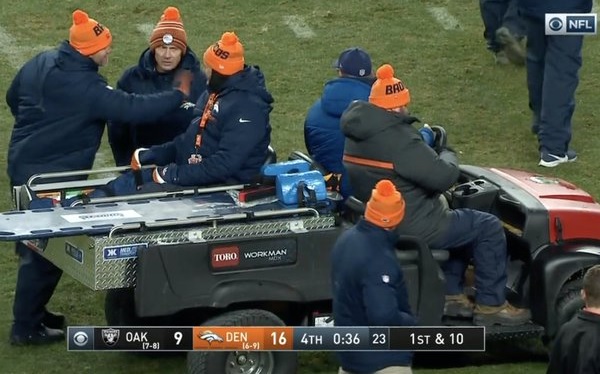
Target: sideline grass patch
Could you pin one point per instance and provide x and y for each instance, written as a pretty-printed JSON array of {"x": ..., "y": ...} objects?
[{"x": 453, "y": 82}]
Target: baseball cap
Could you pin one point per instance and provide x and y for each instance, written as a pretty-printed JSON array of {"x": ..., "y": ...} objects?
[{"x": 354, "y": 61}]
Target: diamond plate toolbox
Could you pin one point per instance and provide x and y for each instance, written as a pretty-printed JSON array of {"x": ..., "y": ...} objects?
[{"x": 103, "y": 262}]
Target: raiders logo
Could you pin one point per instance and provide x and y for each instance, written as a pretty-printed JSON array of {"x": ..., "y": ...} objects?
[{"x": 110, "y": 336}]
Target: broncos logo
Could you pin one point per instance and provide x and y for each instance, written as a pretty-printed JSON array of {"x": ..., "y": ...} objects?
[{"x": 210, "y": 337}]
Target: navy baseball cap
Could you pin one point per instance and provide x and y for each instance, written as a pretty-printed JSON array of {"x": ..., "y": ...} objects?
[{"x": 355, "y": 62}]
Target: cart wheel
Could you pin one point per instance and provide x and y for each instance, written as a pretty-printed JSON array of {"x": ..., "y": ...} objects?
[
  {"x": 241, "y": 362},
  {"x": 119, "y": 309},
  {"x": 568, "y": 303}
]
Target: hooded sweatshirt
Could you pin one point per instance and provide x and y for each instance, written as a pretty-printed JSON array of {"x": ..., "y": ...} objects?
[
  {"x": 418, "y": 172},
  {"x": 322, "y": 134}
]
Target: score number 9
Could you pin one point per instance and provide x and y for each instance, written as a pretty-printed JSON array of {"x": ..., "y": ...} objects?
[{"x": 178, "y": 337}]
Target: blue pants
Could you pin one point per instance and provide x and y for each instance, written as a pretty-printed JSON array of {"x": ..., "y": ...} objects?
[
  {"x": 36, "y": 281},
  {"x": 553, "y": 64},
  {"x": 498, "y": 13},
  {"x": 127, "y": 184},
  {"x": 479, "y": 236}
]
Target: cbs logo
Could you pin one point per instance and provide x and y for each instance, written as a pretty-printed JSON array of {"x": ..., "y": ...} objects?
[
  {"x": 556, "y": 24},
  {"x": 80, "y": 338}
]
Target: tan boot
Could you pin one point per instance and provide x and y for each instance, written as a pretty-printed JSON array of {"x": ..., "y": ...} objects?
[
  {"x": 505, "y": 315},
  {"x": 458, "y": 306}
]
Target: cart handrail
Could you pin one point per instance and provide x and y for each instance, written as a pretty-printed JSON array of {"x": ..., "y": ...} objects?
[
  {"x": 158, "y": 195},
  {"x": 213, "y": 219},
  {"x": 74, "y": 173}
]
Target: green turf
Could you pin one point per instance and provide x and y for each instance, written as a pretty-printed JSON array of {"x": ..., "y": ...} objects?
[{"x": 452, "y": 79}]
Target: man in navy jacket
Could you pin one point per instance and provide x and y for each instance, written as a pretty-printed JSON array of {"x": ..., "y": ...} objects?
[
  {"x": 155, "y": 72},
  {"x": 226, "y": 143},
  {"x": 553, "y": 63},
  {"x": 368, "y": 284},
  {"x": 60, "y": 104},
  {"x": 322, "y": 135}
]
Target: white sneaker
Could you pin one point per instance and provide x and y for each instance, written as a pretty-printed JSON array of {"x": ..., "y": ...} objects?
[{"x": 549, "y": 160}]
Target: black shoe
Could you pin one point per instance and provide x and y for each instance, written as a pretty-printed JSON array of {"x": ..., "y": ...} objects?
[
  {"x": 42, "y": 336},
  {"x": 54, "y": 320}
]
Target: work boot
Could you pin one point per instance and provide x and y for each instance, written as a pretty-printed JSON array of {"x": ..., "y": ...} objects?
[
  {"x": 41, "y": 336},
  {"x": 505, "y": 315},
  {"x": 458, "y": 306},
  {"x": 512, "y": 46},
  {"x": 54, "y": 320}
]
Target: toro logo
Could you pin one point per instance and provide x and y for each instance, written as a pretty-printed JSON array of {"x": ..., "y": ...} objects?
[{"x": 221, "y": 257}]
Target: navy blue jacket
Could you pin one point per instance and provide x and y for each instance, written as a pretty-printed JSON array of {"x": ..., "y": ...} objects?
[
  {"x": 143, "y": 78},
  {"x": 60, "y": 104},
  {"x": 369, "y": 290},
  {"x": 576, "y": 346},
  {"x": 322, "y": 135},
  {"x": 234, "y": 142},
  {"x": 537, "y": 8}
]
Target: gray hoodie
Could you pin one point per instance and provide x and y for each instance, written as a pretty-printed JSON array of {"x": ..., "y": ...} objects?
[{"x": 418, "y": 172}]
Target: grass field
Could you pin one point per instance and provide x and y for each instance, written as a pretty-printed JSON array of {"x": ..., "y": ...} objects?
[{"x": 436, "y": 48}]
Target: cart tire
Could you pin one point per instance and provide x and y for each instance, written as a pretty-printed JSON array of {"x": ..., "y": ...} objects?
[
  {"x": 569, "y": 301},
  {"x": 252, "y": 362}
]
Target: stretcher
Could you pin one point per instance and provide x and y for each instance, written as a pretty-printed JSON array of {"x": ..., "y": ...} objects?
[{"x": 97, "y": 241}]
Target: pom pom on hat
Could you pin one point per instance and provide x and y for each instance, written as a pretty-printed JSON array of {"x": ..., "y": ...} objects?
[
  {"x": 226, "y": 56},
  {"x": 80, "y": 17},
  {"x": 229, "y": 39},
  {"x": 87, "y": 35},
  {"x": 169, "y": 30},
  {"x": 388, "y": 92},
  {"x": 171, "y": 14},
  {"x": 386, "y": 206},
  {"x": 385, "y": 72}
]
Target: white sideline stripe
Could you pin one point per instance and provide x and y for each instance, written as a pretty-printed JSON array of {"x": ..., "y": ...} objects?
[
  {"x": 15, "y": 54},
  {"x": 145, "y": 28},
  {"x": 299, "y": 26},
  {"x": 444, "y": 18}
]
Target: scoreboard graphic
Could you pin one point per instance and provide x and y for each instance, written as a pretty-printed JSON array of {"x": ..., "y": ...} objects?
[{"x": 298, "y": 338}]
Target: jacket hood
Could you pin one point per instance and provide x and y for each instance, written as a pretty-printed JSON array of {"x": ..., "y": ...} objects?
[
  {"x": 340, "y": 92},
  {"x": 71, "y": 60},
  {"x": 147, "y": 63},
  {"x": 251, "y": 80},
  {"x": 362, "y": 120}
]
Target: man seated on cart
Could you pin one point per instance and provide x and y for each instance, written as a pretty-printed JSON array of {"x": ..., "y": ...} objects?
[
  {"x": 228, "y": 142},
  {"x": 382, "y": 143},
  {"x": 225, "y": 143}
]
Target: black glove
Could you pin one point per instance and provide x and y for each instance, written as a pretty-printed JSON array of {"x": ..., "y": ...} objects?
[{"x": 441, "y": 138}]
